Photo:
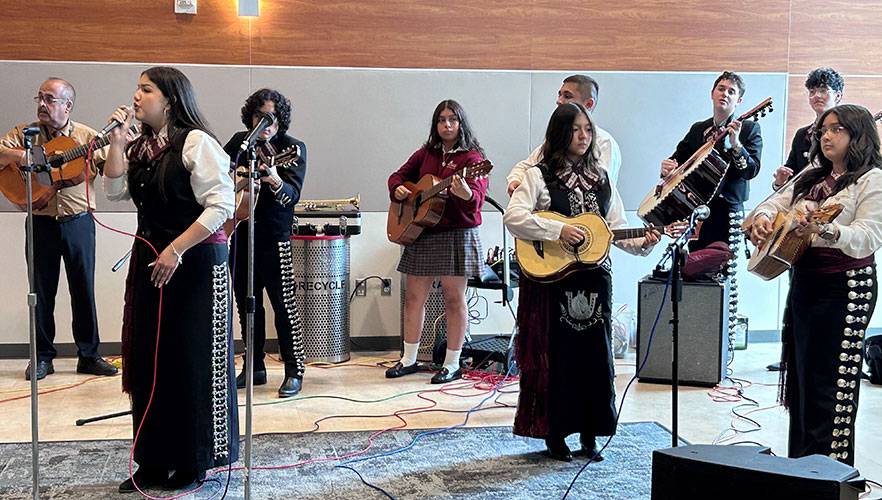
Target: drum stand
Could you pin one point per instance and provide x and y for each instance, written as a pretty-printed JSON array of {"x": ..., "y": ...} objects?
[{"x": 35, "y": 161}]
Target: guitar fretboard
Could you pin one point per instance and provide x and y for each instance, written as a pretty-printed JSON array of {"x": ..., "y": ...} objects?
[
  {"x": 79, "y": 151},
  {"x": 627, "y": 234}
]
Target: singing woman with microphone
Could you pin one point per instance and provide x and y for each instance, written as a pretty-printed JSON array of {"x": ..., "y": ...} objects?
[
  {"x": 273, "y": 211},
  {"x": 177, "y": 365}
]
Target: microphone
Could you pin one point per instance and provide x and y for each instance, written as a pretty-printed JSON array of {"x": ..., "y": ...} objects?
[
  {"x": 31, "y": 130},
  {"x": 701, "y": 212},
  {"x": 265, "y": 120},
  {"x": 110, "y": 126}
]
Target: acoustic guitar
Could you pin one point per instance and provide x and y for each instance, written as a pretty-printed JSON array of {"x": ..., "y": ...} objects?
[
  {"x": 61, "y": 153},
  {"x": 282, "y": 159},
  {"x": 783, "y": 246},
  {"x": 693, "y": 183},
  {"x": 546, "y": 261},
  {"x": 425, "y": 204}
]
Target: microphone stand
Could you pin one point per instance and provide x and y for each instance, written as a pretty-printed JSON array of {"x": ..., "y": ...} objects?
[
  {"x": 28, "y": 168},
  {"x": 250, "y": 306},
  {"x": 677, "y": 251}
]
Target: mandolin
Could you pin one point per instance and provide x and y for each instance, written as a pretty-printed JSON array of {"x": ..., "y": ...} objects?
[
  {"x": 423, "y": 207},
  {"x": 552, "y": 260},
  {"x": 783, "y": 246},
  {"x": 61, "y": 153}
]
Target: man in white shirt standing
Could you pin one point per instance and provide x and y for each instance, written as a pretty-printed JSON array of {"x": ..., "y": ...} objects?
[{"x": 584, "y": 90}]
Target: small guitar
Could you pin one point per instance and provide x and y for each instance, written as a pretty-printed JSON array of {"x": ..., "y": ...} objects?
[
  {"x": 783, "y": 247},
  {"x": 61, "y": 153},
  {"x": 552, "y": 260},
  {"x": 282, "y": 159},
  {"x": 423, "y": 207}
]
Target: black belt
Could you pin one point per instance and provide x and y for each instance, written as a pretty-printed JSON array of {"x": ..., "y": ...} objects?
[{"x": 65, "y": 218}]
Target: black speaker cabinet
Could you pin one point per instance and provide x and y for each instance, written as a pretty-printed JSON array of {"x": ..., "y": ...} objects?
[
  {"x": 749, "y": 472},
  {"x": 703, "y": 337}
]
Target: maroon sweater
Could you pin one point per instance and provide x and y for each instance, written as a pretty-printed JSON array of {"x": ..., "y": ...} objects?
[{"x": 458, "y": 213}]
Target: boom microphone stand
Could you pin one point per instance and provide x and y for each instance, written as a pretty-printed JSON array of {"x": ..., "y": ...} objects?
[
  {"x": 35, "y": 160},
  {"x": 678, "y": 251}
]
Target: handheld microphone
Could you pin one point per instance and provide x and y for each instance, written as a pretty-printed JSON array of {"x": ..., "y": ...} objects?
[
  {"x": 701, "y": 212},
  {"x": 110, "y": 126},
  {"x": 265, "y": 120},
  {"x": 31, "y": 130}
]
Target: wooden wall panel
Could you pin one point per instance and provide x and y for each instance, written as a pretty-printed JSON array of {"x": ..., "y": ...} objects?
[
  {"x": 458, "y": 34},
  {"x": 863, "y": 91},
  {"x": 142, "y": 31},
  {"x": 690, "y": 35},
  {"x": 843, "y": 34}
]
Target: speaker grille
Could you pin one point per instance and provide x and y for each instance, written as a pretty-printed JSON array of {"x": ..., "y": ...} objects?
[{"x": 703, "y": 344}]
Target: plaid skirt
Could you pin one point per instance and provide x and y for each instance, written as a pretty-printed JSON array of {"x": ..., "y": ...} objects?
[{"x": 453, "y": 252}]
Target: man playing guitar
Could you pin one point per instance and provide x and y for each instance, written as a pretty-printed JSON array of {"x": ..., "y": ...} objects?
[{"x": 62, "y": 230}]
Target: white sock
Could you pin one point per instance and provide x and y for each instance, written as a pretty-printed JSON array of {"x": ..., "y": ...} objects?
[
  {"x": 410, "y": 353},
  {"x": 451, "y": 360}
]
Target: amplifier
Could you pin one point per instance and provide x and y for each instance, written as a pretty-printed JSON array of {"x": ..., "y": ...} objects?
[{"x": 703, "y": 338}]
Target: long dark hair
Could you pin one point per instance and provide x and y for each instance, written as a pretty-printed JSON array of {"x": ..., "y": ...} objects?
[
  {"x": 281, "y": 104},
  {"x": 862, "y": 154},
  {"x": 558, "y": 136},
  {"x": 183, "y": 112},
  {"x": 466, "y": 139}
]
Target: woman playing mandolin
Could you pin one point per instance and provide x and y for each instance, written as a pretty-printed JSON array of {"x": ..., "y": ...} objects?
[
  {"x": 563, "y": 344},
  {"x": 833, "y": 286},
  {"x": 450, "y": 249}
]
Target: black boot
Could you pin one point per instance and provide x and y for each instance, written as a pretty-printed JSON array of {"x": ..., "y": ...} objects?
[
  {"x": 259, "y": 374},
  {"x": 293, "y": 381},
  {"x": 558, "y": 449}
]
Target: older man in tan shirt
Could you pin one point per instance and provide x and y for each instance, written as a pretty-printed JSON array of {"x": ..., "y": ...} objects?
[{"x": 64, "y": 230}]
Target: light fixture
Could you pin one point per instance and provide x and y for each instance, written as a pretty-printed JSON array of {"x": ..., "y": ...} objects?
[{"x": 248, "y": 8}]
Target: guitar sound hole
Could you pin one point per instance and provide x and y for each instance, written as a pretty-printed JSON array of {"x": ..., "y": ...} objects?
[{"x": 574, "y": 249}]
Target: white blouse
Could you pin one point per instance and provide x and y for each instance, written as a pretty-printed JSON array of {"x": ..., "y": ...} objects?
[
  {"x": 212, "y": 185},
  {"x": 533, "y": 195},
  {"x": 859, "y": 224}
]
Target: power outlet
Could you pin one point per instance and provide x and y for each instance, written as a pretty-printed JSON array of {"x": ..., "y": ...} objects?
[
  {"x": 185, "y": 7},
  {"x": 387, "y": 287},
  {"x": 361, "y": 287}
]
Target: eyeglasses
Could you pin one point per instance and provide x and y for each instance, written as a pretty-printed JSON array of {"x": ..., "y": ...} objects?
[
  {"x": 49, "y": 99},
  {"x": 833, "y": 129},
  {"x": 820, "y": 91}
]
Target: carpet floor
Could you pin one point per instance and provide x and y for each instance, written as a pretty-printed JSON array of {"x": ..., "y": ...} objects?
[{"x": 486, "y": 463}]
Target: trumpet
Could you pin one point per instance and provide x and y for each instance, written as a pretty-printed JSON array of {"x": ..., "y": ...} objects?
[{"x": 319, "y": 205}]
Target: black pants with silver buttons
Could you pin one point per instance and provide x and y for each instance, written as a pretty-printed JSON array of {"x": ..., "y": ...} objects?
[
  {"x": 828, "y": 316},
  {"x": 273, "y": 272}
]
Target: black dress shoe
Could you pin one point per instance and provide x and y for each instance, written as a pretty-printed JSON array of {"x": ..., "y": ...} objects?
[
  {"x": 259, "y": 378},
  {"x": 558, "y": 450},
  {"x": 290, "y": 387},
  {"x": 445, "y": 376},
  {"x": 590, "y": 449},
  {"x": 43, "y": 368},
  {"x": 145, "y": 477},
  {"x": 184, "y": 480},
  {"x": 774, "y": 367},
  {"x": 95, "y": 366},
  {"x": 399, "y": 370}
]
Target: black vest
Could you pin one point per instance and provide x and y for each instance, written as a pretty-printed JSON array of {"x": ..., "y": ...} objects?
[{"x": 164, "y": 213}]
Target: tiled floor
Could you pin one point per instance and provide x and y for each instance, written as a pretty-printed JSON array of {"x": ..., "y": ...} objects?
[{"x": 701, "y": 420}]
